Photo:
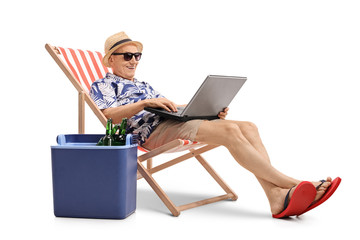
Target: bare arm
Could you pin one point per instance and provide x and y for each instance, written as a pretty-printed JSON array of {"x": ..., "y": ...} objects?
[{"x": 129, "y": 110}]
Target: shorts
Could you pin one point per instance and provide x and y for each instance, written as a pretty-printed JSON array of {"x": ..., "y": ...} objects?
[{"x": 170, "y": 130}]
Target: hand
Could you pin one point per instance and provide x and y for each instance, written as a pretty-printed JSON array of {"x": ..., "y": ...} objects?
[
  {"x": 161, "y": 103},
  {"x": 222, "y": 115}
]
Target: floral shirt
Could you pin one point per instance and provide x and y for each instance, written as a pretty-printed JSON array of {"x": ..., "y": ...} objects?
[{"x": 114, "y": 91}]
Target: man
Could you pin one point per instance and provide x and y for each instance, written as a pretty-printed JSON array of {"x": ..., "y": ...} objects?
[{"x": 121, "y": 95}]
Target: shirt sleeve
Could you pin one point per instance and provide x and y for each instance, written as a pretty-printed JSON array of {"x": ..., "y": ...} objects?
[{"x": 103, "y": 94}]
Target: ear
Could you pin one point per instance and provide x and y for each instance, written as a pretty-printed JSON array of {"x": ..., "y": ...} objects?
[{"x": 111, "y": 60}]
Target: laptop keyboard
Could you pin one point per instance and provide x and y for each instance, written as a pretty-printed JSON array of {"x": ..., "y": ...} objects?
[{"x": 180, "y": 110}]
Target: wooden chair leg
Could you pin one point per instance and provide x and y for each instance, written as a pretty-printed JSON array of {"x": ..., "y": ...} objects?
[
  {"x": 175, "y": 210},
  {"x": 158, "y": 190},
  {"x": 81, "y": 113},
  {"x": 149, "y": 163},
  {"x": 204, "y": 202}
]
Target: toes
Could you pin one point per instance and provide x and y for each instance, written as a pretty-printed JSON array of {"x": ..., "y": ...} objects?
[
  {"x": 325, "y": 185},
  {"x": 323, "y": 188},
  {"x": 319, "y": 194}
]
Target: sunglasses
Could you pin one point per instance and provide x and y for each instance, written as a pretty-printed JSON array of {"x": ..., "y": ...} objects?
[{"x": 128, "y": 56}]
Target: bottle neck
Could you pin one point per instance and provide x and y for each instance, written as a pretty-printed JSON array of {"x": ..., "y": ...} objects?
[{"x": 123, "y": 124}]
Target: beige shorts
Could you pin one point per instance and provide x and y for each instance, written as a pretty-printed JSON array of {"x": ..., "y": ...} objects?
[{"x": 170, "y": 130}]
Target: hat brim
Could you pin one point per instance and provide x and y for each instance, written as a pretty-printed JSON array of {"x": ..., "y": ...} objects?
[{"x": 105, "y": 59}]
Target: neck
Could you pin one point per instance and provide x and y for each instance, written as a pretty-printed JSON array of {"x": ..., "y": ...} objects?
[{"x": 119, "y": 75}]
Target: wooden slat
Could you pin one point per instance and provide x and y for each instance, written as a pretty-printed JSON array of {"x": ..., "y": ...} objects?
[
  {"x": 81, "y": 111},
  {"x": 149, "y": 163},
  {"x": 204, "y": 202}
]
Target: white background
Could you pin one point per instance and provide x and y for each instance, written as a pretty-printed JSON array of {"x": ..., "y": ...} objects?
[{"x": 302, "y": 62}]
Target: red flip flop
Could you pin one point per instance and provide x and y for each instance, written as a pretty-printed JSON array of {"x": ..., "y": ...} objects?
[
  {"x": 331, "y": 189},
  {"x": 301, "y": 199}
]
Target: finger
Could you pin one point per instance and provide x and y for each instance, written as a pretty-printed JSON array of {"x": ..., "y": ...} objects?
[
  {"x": 172, "y": 106},
  {"x": 222, "y": 115},
  {"x": 165, "y": 107}
]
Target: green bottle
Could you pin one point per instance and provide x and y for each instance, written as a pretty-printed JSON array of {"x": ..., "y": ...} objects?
[
  {"x": 108, "y": 138},
  {"x": 120, "y": 136},
  {"x": 117, "y": 135},
  {"x": 123, "y": 131},
  {"x": 123, "y": 124},
  {"x": 101, "y": 142},
  {"x": 115, "y": 129}
]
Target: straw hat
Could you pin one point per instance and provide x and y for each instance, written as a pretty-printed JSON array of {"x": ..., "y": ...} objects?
[{"x": 114, "y": 42}]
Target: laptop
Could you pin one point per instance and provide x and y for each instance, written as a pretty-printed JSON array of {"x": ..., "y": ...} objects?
[{"x": 213, "y": 96}]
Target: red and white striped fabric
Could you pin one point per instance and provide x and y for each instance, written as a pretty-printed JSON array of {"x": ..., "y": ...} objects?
[
  {"x": 85, "y": 65},
  {"x": 184, "y": 145}
]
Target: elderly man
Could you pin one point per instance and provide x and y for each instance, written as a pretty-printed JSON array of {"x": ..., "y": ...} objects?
[{"x": 121, "y": 95}]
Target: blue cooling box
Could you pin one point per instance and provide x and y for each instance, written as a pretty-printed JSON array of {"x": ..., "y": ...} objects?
[{"x": 92, "y": 181}]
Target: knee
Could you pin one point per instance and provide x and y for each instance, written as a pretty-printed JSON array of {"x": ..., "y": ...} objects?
[
  {"x": 232, "y": 133},
  {"x": 249, "y": 128},
  {"x": 231, "y": 129}
]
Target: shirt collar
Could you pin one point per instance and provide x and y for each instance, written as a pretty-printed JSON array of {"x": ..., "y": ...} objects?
[{"x": 112, "y": 76}]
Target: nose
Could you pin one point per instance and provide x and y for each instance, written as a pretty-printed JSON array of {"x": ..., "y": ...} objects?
[{"x": 133, "y": 60}]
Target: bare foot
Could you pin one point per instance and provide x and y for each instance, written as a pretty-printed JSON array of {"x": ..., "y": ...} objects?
[
  {"x": 322, "y": 189},
  {"x": 278, "y": 198}
]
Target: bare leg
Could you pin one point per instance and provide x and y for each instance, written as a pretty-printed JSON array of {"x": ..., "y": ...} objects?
[
  {"x": 247, "y": 140},
  {"x": 228, "y": 134},
  {"x": 273, "y": 192}
]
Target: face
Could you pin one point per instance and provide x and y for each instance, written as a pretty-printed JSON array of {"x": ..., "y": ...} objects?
[{"x": 122, "y": 68}]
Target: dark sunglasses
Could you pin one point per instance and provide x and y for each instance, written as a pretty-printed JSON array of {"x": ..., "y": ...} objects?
[{"x": 128, "y": 56}]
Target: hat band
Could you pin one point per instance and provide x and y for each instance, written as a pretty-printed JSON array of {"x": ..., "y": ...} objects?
[{"x": 120, "y": 42}]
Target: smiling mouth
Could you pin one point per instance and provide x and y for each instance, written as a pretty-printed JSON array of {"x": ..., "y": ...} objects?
[{"x": 131, "y": 67}]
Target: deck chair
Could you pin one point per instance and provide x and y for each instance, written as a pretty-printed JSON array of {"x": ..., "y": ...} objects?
[{"x": 83, "y": 67}]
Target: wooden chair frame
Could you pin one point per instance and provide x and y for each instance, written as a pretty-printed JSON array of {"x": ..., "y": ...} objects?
[{"x": 146, "y": 172}]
